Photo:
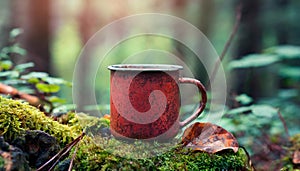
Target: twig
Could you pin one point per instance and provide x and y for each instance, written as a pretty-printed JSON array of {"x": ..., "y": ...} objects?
[
  {"x": 284, "y": 123},
  {"x": 228, "y": 42},
  {"x": 72, "y": 159},
  {"x": 36, "y": 101},
  {"x": 9, "y": 90},
  {"x": 60, "y": 154}
]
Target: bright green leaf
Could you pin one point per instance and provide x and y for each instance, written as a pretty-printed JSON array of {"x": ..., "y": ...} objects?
[
  {"x": 288, "y": 93},
  {"x": 55, "y": 99},
  {"x": 5, "y": 65},
  {"x": 34, "y": 75},
  {"x": 26, "y": 89},
  {"x": 290, "y": 72},
  {"x": 58, "y": 81},
  {"x": 264, "y": 110},
  {"x": 286, "y": 51},
  {"x": 14, "y": 82},
  {"x": 244, "y": 99},
  {"x": 11, "y": 74},
  {"x": 33, "y": 80},
  {"x": 64, "y": 108},
  {"x": 47, "y": 88},
  {"x": 254, "y": 60},
  {"x": 14, "y": 74},
  {"x": 15, "y": 32},
  {"x": 3, "y": 55},
  {"x": 17, "y": 49},
  {"x": 52, "y": 80},
  {"x": 22, "y": 67},
  {"x": 239, "y": 110},
  {"x": 5, "y": 73}
]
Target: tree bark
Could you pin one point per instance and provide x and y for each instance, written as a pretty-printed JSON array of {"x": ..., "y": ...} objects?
[
  {"x": 250, "y": 37},
  {"x": 281, "y": 31},
  {"x": 249, "y": 40},
  {"x": 36, "y": 37}
]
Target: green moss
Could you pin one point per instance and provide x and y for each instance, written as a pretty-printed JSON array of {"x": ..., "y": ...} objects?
[
  {"x": 175, "y": 159},
  {"x": 17, "y": 117},
  {"x": 2, "y": 162}
]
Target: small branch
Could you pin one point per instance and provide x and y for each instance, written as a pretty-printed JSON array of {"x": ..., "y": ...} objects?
[
  {"x": 9, "y": 90},
  {"x": 228, "y": 42},
  {"x": 284, "y": 123},
  {"x": 62, "y": 153},
  {"x": 72, "y": 159}
]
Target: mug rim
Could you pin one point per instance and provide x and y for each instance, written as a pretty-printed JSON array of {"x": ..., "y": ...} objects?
[{"x": 144, "y": 67}]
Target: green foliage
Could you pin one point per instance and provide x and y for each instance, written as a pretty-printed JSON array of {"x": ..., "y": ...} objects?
[
  {"x": 39, "y": 84},
  {"x": 261, "y": 123},
  {"x": 249, "y": 123},
  {"x": 290, "y": 72},
  {"x": 254, "y": 60},
  {"x": 285, "y": 51},
  {"x": 244, "y": 99},
  {"x": 13, "y": 49},
  {"x": 2, "y": 162},
  {"x": 270, "y": 56},
  {"x": 15, "y": 33},
  {"x": 258, "y": 110},
  {"x": 6, "y": 52},
  {"x": 17, "y": 117},
  {"x": 47, "y": 88}
]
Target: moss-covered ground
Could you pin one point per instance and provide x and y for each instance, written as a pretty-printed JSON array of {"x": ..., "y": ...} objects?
[{"x": 17, "y": 117}]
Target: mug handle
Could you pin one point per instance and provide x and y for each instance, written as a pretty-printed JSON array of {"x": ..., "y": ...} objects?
[{"x": 202, "y": 103}]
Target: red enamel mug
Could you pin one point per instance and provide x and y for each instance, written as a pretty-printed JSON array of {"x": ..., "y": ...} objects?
[{"x": 145, "y": 101}]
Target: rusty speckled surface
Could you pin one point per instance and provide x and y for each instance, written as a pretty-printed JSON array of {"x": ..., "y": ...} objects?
[
  {"x": 141, "y": 86},
  {"x": 145, "y": 101}
]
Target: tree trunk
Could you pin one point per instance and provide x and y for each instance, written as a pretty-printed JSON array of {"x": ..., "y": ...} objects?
[
  {"x": 250, "y": 37},
  {"x": 249, "y": 41},
  {"x": 281, "y": 31},
  {"x": 36, "y": 37}
]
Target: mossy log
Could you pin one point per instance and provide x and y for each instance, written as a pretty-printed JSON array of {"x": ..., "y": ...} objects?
[{"x": 16, "y": 117}]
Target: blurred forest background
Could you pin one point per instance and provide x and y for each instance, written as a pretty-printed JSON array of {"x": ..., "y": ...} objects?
[{"x": 262, "y": 64}]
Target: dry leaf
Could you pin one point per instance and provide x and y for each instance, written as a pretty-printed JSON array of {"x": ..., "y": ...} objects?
[
  {"x": 209, "y": 138},
  {"x": 296, "y": 157}
]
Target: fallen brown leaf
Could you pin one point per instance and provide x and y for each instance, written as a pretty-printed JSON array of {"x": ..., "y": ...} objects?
[{"x": 209, "y": 138}]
